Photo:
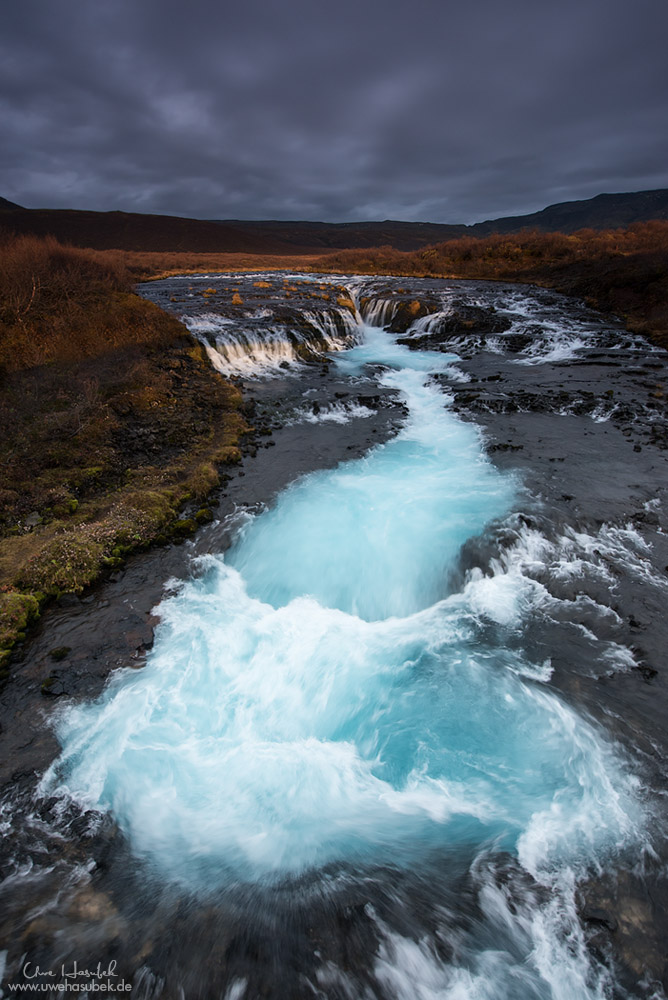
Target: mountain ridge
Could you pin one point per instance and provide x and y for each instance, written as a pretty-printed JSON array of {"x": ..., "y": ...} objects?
[{"x": 150, "y": 232}]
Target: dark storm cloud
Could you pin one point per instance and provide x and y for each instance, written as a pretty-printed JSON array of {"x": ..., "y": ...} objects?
[{"x": 359, "y": 110}]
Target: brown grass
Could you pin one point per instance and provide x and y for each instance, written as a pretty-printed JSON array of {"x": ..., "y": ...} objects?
[
  {"x": 146, "y": 266},
  {"x": 61, "y": 303},
  {"x": 112, "y": 420}
]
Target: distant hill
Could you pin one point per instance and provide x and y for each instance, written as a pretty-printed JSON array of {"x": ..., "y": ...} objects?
[
  {"x": 133, "y": 231},
  {"x": 605, "y": 211},
  {"x": 8, "y": 205},
  {"x": 351, "y": 235}
]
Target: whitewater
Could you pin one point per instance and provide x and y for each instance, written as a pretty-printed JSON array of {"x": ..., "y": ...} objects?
[{"x": 330, "y": 698}]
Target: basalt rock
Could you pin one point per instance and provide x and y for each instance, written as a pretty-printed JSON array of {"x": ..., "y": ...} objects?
[
  {"x": 408, "y": 311},
  {"x": 464, "y": 320}
]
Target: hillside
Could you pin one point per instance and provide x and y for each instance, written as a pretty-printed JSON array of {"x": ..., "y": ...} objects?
[
  {"x": 112, "y": 420},
  {"x": 312, "y": 236},
  {"x": 6, "y": 205},
  {"x": 605, "y": 211},
  {"x": 164, "y": 233},
  {"x": 132, "y": 231}
]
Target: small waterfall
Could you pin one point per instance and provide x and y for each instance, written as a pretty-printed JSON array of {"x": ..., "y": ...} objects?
[
  {"x": 262, "y": 347},
  {"x": 378, "y": 312},
  {"x": 238, "y": 354},
  {"x": 428, "y": 324},
  {"x": 339, "y": 328}
]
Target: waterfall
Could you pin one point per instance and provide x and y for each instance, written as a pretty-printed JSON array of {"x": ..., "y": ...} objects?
[
  {"x": 263, "y": 346},
  {"x": 377, "y": 312}
]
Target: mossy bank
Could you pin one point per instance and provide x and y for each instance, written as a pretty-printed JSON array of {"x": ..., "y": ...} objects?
[{"x": 116, "y": 428}]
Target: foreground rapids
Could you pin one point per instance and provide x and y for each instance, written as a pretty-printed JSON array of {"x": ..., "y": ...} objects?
[{"x": 343, "y": 772}]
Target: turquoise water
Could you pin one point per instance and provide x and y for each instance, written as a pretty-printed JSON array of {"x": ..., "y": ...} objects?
[{"x": 321, "y": 693}]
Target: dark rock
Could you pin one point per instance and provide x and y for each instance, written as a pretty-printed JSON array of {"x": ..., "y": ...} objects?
[
  {"x": 140, "y": 637},
  {"x": 54, "y": 685},
  {"x": 517, "y": 342},
  {"x": 69, "y": 601},
  {"x": 465, "y": 320},
  {"x": 506, "y": 447},
  {"x": 408, "y": 311},
  {"x": 594, "y": 915}
]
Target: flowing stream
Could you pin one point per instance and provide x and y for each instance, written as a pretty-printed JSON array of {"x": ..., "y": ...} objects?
[{"x": 329, "y": 699}]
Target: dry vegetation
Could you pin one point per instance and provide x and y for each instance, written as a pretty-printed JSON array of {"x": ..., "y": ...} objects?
[
  {"x": 145, "y": 266},
  {"x": 61, "y": 303},
  {"x": 112, "y": 421},
  {"x": 624, "y": 271}
]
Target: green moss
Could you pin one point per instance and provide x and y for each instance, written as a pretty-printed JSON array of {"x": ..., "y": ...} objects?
[
  {"x": 204, "y": 516},
  {"x": 84, "y": 477},
  {"x": 67, "y": 564},
  {"x": 60, "y": 652},
  {"x": 64, "y": 508},
  {"x": 16, "y": 612},
  {"x": 186, "y": 526},
  {"x": 137, "y": 517}
]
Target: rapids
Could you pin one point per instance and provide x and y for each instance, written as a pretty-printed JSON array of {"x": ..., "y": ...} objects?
[{"x": 329, "y": 695}]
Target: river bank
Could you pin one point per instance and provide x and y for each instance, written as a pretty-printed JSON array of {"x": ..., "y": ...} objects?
[{"x": 114, "y": 423}]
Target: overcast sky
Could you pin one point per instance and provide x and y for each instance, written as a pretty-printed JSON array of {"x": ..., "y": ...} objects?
[{"x": 424, "y": 110}]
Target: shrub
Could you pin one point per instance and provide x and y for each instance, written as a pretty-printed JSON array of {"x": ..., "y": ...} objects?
[{"x": 60, "y": 303}]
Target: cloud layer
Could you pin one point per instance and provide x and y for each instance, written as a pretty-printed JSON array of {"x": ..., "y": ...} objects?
[{"x": 365, "y": 110}]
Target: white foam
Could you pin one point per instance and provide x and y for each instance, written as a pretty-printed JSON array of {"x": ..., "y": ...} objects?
[
  {"x": 335, "y": 413},
  {"x": 540, "y": 953},
  {"x": 272, "y": 731}
]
